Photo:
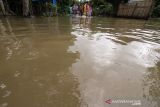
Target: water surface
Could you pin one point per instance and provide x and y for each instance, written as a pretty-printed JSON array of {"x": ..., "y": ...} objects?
[{"x": 78, "y": 62}]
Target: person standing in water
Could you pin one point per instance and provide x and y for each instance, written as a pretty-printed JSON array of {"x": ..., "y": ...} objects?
[
  {"x": 90, "y": 10},
  {"x": 81, "y": 9},
  {"x": 75, "y": 7},
  {"x": 85, "y": 9}
]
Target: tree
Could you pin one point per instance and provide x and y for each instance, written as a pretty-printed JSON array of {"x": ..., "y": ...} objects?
[
  {"x": 63, "y": 6},
  {"x": 156, "y": 10},
  {"x": 26, "y": 7},
  {"x": 2, "y": 7},
  {"x": 116, "y": 4}
]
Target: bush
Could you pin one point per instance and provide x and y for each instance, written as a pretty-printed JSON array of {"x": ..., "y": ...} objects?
[
  {"x": 103, "y": 9},
  {"x": 54, "y": 10},
  {"x": 63, "y": 6},
  {"x": 50, "y": 9},
  {"x": 156, "y": 11},
  {"x": 63, "y": 10}
]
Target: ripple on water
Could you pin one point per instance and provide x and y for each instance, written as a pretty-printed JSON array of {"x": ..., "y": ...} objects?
[
  {"x": 114, "y": 62},
  {"x": 3, "y": 86},
  {"x": 4, "y": 104},
  {"x": 78, "y": 62}
]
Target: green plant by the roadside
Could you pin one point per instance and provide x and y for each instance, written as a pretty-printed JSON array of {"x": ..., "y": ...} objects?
[
  {"x": 156, "y": 11},
  {"x": 103, "y": 9}
]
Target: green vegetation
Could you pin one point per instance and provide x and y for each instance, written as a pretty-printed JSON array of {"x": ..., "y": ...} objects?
[
  {"x": 102, "y": 8},
  {"x": 116, "y": 4},
  {"x": 156, "y": 10},
  {"x": 106, "y": 7},
  {"x": 46, "y": 8},
  {"x": 63, "y": 6}
]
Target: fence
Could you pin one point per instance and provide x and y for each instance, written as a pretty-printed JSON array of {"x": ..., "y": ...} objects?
[{"x": 140, "y": 9}]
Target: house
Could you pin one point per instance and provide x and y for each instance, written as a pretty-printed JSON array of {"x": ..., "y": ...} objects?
[{"x": 136, "y": 9}]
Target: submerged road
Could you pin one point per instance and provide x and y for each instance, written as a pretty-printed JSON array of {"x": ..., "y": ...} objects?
[{"x": 79, "y": 62}]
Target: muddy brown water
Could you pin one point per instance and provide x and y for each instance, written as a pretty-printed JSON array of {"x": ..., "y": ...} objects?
[{"x": 79, "y": 62}]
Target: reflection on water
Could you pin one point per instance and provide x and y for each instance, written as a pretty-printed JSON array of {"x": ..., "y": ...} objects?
[
  {"x": 78, "y": 62},
  {"x": 115, "y": 56},
  {"x": 35, "y": 64}
]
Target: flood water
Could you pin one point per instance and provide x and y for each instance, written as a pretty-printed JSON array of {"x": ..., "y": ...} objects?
[{"x": 78, "y": 62}]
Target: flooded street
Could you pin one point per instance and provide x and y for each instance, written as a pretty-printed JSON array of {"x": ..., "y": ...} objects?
[{"x": 78, "y": 62}]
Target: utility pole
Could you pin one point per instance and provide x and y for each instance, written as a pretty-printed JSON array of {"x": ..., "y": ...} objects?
[{"x": 2, "y": 7}]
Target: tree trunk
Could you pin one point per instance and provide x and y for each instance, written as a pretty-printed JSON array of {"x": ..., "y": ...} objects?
[
  {"x": 2, "y": 7},
  {"x": 26, "y": 7}
]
